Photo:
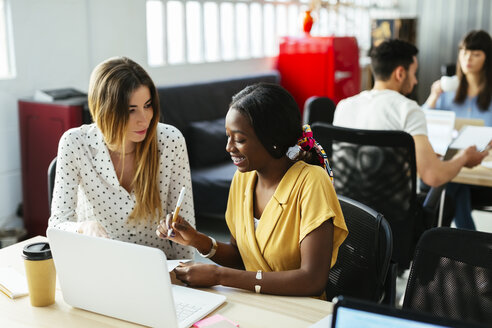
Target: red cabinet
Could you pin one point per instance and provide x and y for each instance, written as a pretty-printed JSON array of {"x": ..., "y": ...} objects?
[
  {"x": 41, "y": 125},
  {"x": 319, "y": 66}
]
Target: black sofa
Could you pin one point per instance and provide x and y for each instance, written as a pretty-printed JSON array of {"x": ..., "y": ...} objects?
[{"x": 198, "y": 110}]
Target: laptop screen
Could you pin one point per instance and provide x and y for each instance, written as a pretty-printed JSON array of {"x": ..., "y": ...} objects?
[
  {"x": 349, "y": 312},
  {"x": 348, "y": 318}
]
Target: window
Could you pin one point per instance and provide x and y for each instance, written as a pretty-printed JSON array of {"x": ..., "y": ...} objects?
[
  {"x": 6, "y": 49},
  {"x": 197, "y": 31}
]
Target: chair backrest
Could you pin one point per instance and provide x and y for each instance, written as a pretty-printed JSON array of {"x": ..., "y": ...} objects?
[
  {"x": 451, "y": 275},
  {"x": 51, "y": 181},
  {"x": 378, "y": 169},
  {"x": 364, "y": 257},
  {"x": 318, "y": 109},
  {"x": 448, "y": 69}
]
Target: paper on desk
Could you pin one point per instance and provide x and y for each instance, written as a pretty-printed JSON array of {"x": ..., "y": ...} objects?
[
  {"x": 12, "y": 283},
  {"x": 487, "y": 164},
  {"x": 323, "y": 323},
  {"x": 470, "y": 135},
  {"x": 171, "y": 264}
]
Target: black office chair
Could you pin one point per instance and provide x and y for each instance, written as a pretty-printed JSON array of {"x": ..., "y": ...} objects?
[
  {"x": 318, "y": 109},
  {"x": 481, "y": 198},
  {"x": 451, "y": 275},
  {"x": 363, "y": 260},
  {"x": 448, "y": 69},
  {"x": 51, "y": 180},
  {"x": 378, "y": 169}
]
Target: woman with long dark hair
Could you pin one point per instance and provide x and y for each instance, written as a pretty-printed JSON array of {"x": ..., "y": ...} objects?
[{"x": 472, "y": 99}]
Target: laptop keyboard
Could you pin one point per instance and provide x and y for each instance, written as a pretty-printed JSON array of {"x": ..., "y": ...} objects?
[{"x": 184, "y": 310}]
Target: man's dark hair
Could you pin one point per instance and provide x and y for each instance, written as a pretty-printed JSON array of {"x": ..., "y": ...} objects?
[{"x": 390, "y": 54}]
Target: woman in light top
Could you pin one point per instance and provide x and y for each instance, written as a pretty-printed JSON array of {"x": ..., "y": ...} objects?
[
  {"x": 119, "y": 176},
  {"x": 472, "y": 99},
  {"x": 284, "y": 217}
]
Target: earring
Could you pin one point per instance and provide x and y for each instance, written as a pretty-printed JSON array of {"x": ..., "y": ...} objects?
[{"x": 274, "y": 147}]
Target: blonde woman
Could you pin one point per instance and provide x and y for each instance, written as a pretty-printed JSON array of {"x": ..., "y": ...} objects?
[{"x": 119, "y": 176}]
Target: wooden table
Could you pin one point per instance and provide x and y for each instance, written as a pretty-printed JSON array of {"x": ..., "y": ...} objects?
[
  {"x": 479, "y": 175},
  {"x": 244, "y": 307}
]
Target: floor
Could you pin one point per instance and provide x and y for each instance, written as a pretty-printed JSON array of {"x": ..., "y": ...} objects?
[{"x": 217, "y": 228}]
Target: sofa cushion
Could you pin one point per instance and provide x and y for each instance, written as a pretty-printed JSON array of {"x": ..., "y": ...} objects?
[
  {"x": 211, "y": 188},
  {"x": 198, "y": 101},
  {"x": 206, "y": 142}
]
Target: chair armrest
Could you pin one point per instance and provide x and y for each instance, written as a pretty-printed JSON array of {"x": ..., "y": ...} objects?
[
  {"x": 433, "y": 197},
  {"x": 389, "y": 296},
  {"x": 434, "y": 204}
]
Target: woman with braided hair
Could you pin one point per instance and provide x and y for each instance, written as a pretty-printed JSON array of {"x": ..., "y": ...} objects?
[{"x": 283, "y": 214}]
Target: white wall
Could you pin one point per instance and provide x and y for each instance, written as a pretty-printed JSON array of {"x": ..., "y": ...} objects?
[
  {"x": 456, "y": 18},
  {"x": 441, "y": 26},
  {"x": 57, "y": 43}
]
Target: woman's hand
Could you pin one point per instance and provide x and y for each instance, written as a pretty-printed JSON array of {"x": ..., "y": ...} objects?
[
  {"x": 198, "y": 274},
  {"x": 92, "y": 228},
  {"x": 436, "y": 88},
  {"x": 436, "y": 91},
  {"x": 183, "y": 232}
]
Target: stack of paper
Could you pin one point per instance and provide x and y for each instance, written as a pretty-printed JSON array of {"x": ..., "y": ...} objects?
[
  {"x": 479, "y": 136},
  {"x": 12, "y": 283},
  {"x": 172, "y": 264},
  {"x": 58, "y": 94}
]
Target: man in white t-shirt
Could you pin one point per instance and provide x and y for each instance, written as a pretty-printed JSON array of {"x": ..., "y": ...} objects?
[{"x": 385, "y": 107}]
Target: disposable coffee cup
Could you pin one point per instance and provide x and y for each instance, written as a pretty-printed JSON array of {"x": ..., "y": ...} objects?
[{"x": 40, "y": 273}]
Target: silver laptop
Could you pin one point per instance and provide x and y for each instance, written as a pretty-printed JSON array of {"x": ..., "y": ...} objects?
[{"x": 124, "y": 280}]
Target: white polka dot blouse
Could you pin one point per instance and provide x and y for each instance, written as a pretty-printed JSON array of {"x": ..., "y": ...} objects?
[{"x": 87, "y": 188}]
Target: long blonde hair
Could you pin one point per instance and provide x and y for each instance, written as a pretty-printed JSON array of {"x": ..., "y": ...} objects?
[{"x": 111, "y": 84}]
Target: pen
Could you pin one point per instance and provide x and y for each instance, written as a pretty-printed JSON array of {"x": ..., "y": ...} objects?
[{"x": 176, "y": 211}]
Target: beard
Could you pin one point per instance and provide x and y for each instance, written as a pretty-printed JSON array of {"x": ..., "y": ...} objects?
[{"x": 406, "y": 87}]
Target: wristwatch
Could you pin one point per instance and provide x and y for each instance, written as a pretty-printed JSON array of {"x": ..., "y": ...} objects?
[
  {"x": 212, "y": 250},
  {"x": 259, "y": 276}
]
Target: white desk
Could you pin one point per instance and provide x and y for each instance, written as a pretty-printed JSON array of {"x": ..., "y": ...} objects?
[{"x": 244, "y": 307}]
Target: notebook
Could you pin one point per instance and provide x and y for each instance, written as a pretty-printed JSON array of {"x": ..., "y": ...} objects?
[
  {"x": 12, "y": 283},
  {"x": 124, "y": 280},
  {"x": 349, "y": 313}
]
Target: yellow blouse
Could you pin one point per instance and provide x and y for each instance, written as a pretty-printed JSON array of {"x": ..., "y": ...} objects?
[{"x": 304, "y": 199}]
